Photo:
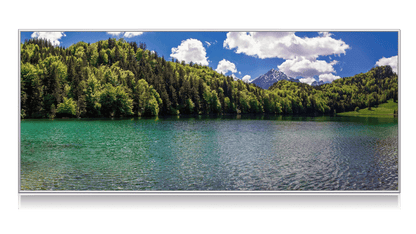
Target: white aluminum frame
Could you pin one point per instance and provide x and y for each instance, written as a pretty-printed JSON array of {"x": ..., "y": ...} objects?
[{"x": 210, "y": 200}]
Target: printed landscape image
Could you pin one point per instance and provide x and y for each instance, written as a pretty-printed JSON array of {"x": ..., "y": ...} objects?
[{"x": 209, "y": 111}]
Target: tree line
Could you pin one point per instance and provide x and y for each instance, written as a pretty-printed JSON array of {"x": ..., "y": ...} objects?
[{"x": 115, "y": 78}]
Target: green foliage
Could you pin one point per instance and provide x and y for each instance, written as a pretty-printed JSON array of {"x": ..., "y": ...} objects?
[
  {"x": 67, "y": 108},
  {"x": 92, "y": 95},
  {"x": 115, "y": 102},
  {"x": 152, "y": 107},
  {"x": 146, "y": 99},
  {"x": 53, "y": 111},
  {"x": 114, "y": 78},
  {"x": 214, "y": 102}
]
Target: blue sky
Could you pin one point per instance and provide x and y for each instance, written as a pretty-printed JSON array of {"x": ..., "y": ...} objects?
[{"x": 307, "y": 56}]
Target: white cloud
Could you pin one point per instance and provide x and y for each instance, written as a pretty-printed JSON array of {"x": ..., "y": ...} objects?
[
  {"x": 225, "y": 66},
  {"x": 308, "y": 80},
  {"x": 325, "y": 34},
  {"x": 54, "y": 37},
  {"x": 115, "y": 33},
  {"x": 125, "y": 34},
  {"x": 246, "y": 78},
  {"x": 284, "y": 45},
  {"x": 328, "y": 77},
  {"x": 392, "y": 61},
  {"x": 190, "y": 50},
  {"x": 132, "y": 34},
  {"x": 208, "y": 43},
  {"x": 300, "y": 53},
  {"x": 306, "y": 68}
]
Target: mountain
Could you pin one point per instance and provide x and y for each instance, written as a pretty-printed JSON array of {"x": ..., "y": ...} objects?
[
  {"x": 266, "y": 80},
  {"x": 317, "y": 83}
]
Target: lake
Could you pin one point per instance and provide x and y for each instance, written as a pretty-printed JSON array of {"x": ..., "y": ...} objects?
[{"x": 228, "y": 153}]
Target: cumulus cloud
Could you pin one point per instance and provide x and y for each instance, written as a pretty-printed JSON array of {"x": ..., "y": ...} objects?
[
  {"x": 328, "y": 77},
  {"x": 392, "y": 61},
  {"x": 301, "y": 54},
  {"x": 325, "y": 34},
  {"x": 190, "y": 50},
  {"x": 246, "y": 78},
  {"x": 306, "y": 68},
  {"x": 125, "y": 34},
  {"x": 132, "y": 34},
  {"x": 53, "y": 37},
  {"x": 225, "y": 66},
  {"x": 308, "y": 80},
  {"x": 115, "y": 33},
  {"x": 285, "y": 45}
]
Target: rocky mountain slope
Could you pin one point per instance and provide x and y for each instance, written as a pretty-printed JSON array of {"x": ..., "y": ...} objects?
[
  {"x": 266, "y": 80},
  {"x": 317, "y": 83}
]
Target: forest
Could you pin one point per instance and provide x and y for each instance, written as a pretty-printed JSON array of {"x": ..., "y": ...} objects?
[{"x": 115, "y": 78}]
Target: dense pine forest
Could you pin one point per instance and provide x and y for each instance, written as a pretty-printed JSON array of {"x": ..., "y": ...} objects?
[{"x": 115, "y": 78}]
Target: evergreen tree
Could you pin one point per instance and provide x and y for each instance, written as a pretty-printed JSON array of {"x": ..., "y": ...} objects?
[{"x": 113, "y": 78}]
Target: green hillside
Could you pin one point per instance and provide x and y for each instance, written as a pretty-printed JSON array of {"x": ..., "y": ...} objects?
[
  {"x": 388, "y": 109},
  {"x": 115, "y": 78}
]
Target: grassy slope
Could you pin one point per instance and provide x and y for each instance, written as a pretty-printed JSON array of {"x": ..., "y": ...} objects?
[{"x": 383, "y": 110}]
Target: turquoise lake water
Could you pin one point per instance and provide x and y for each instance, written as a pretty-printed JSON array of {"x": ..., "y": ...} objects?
[{"x": 210, "y": 154}]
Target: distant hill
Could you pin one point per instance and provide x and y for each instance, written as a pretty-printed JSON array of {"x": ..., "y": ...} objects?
[{"x": 266, "y": 80}]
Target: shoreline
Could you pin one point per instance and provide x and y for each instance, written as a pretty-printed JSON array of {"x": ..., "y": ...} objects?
[{"x": 226, "y": 117}]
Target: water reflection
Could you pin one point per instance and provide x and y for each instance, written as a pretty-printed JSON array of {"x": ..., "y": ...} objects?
[{"x": 276, "y": 153}]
